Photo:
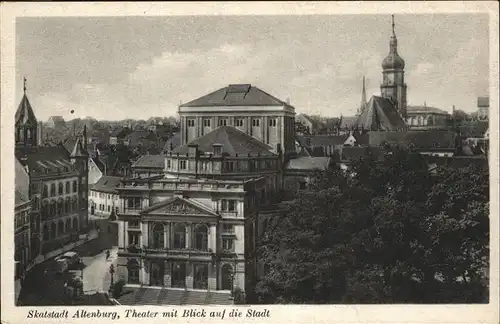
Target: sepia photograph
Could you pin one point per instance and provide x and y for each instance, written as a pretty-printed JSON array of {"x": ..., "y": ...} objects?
[{"x": 237, "y": 160}]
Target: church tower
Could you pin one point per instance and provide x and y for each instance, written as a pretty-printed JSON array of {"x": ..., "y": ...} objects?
[
  {"x": 26, "y": 125},
  {"x": 362, "y": 105},
  {"x": 393, "y": 85}
]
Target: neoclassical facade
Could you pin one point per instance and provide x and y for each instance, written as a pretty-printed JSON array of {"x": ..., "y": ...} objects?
[{"x": 194, "y": 227}]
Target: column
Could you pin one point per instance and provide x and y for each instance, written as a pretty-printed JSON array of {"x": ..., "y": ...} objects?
[
  {"x": 144, "y": 239},
  {"x": 121, "y": 237},
  {"x": 248, "y": 125},
  {"x": 146, "y": 269},
  {"x": 212, "y": 238},
  {"x": 167, "y": 275},
  {"x": 189, "y": 229},
  {"x": 165, "y": 235},
  {"x": 212, "y": 276},
  {"x": 264, "y": 130},
  {"x": 189, "y": 275}
]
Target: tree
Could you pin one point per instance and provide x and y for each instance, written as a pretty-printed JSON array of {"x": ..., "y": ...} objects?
[{"x": 384, "y": 231}]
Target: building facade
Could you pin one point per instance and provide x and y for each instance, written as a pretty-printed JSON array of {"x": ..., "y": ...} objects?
[
  {"x": 104, "y": 198},
  {"x": 57, "y": 185},
  {"x": 244, "y": 107},
  {"x": 427, "y": 118},
  {"x": 22, "y": 223},
  {"x": 194, "y": 226}
]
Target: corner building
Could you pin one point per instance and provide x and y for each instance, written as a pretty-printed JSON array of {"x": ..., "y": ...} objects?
[{"x": 195, "y": 226}]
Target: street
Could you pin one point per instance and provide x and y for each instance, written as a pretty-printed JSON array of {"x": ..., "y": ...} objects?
[{"x": 44, "y": 287}]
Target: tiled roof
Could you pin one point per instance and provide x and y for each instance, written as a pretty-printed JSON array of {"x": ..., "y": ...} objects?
[
  {"x": 39, "y": 159},
  {"x": 233, "y": 142},
  {"x": 425, "y": 109},
  {"x": 308, "y": 163},
  {"x": 380, "y": 114},
  {"x": 24, "y": 113},
  {"x": 107, "y": 184},
  {"x": 236, "y": 95},
  {"x": 150, "y": 161}
]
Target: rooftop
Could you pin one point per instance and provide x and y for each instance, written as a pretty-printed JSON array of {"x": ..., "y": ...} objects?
[
  {"x": 308, "y": 163},
  {"x": 236, "y": 95},
  {"x": 150, "y": 161},
  {"x": 380, "y": 114},
  {"x": 425, "y": 109},
  {"x": 107, "y": 184},
  {"x": 45, "y": 160},
  {"x": 234, "y": 142}
]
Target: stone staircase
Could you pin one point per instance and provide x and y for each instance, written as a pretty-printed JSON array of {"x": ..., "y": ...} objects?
[{"x": 152, "y": 296}]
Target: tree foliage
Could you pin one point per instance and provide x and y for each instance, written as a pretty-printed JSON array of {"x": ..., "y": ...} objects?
[{"x": 385, "y": 231}]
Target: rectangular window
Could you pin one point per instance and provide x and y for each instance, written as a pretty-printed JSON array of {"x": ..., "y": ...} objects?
[
  {"x": 133, "y": 238},
  {"x": 206, "y": 122},
  {"x": 228, "y": 245},
  {"x": 256, "y": 122},
  {"x": 134, "y": 203},
  {"x": 272, "y": 122},
  {"x": 238, "y": 122},
  {"x": 133, "y": 224},
  {"x": 183, "y": 165},
  {"x": 168, "y": 164},
  {"x": 223, "y": 122},
  {"x": 109, "y": 208},
  {"x": 228, "y": 205},
  {"x": 229, "y": 166},
  {"x": 190, "y": 122}
]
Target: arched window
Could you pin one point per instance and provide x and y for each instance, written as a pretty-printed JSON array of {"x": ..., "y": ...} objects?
[
  {"x": 75, "y": 224},
  {"x": 61, "y": 188},
  {"x": 45, "y": 210},
  {"x": 158, "y": 236},
  {"x": 53, "y": 231},
  {"x": 133, "y": 271},
  {"x": 67, "y": 187},
  {"x": 179, "y": 236},
  {"x": 53, "y": 190},
  {"x": 45, "y": 232},
  {"x": 60, "y": 227},
  {"x": 67, "y": 226},
  {"x": 74, "y": 186},
  {"x": 45, "y": 193},
  {"x": 73, "y": 205},
  {"x": 227, "y": 277},
  {"x": 67, "y": 203},
  {"x": 52, "y": 212},
  {"x": 201, "y": 237},
  {"x": 60, "y": 207},
  {"x": 430, "y": 120}
]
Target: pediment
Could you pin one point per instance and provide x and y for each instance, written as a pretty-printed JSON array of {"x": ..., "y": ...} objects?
[{"x": 179, "y": 206}]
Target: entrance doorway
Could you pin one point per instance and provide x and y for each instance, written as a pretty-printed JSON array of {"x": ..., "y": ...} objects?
[
  {"x": 227, "y": 277},
  {"x": 179, "y": 274},
  {"x": 200, "y": 280},
  {"x": 157, "y": 273}
]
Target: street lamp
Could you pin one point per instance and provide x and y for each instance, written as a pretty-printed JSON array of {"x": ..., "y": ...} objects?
[{"x": 111, "y": 272}]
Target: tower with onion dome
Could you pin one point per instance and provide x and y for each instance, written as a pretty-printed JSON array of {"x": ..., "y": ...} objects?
[{"x": 393, "y": 85}]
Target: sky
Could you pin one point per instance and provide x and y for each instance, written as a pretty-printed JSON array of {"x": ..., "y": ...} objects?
[{"x": 115, "y": 68}]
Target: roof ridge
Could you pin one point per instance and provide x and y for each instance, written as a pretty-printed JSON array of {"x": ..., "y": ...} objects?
[{"x": 208, "y": 94}]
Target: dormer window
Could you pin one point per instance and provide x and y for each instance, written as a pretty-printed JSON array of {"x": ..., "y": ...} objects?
[
  {"x": 168, "y": 164},
  {"x": 217, "y": 149}
]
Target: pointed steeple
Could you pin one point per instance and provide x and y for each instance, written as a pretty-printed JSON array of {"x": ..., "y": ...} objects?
[
  {"x": 24, "y": 114},
  {"x": 362, "y": 105}
]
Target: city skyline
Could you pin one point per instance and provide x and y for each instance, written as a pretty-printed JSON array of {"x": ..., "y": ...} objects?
[{"x": 147, "y": 66}]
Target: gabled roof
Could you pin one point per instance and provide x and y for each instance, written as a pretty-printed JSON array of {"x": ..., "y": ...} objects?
[
  {"x": 348, "y": 122},
  {"x": 233, "y": 142},
  {"x": 308, "y": 163},
  {"x": 180, "y": 206},
  {"x": 380, "y": 115},
  {"x": 107, "y": 184},
  {"x": 236, "y": 95},
  {"x": 24, "y": 113},
  {"x": 150, "y": 161}
]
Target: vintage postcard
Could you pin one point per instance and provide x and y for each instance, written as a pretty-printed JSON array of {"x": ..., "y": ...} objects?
[{"x": 261, "y": 162}]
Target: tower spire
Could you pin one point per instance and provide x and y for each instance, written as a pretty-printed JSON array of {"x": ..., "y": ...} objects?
[
  {"x": 24, "y": 86},
  {"x": 362, "y": 105},
  {"x": 393, "y": 25}
]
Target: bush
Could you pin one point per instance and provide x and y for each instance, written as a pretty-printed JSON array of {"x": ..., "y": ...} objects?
[{"x": 118, "y": 288}]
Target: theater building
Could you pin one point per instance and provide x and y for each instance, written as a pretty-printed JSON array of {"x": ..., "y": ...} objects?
[{"x": 194, "y": 227}]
